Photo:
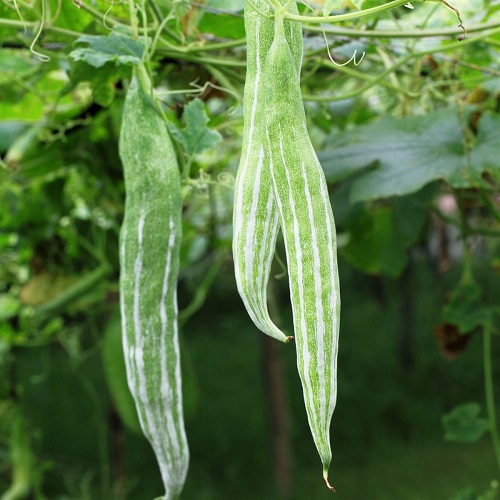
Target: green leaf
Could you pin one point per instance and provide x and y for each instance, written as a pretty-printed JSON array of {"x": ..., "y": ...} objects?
[
  {"x": 331, "y": 5},
  {"x": 465, "y": 308},
  {"x": 380, "y": 236},
  {"x": 9, "y": 306},
  {"x": 410, "y": 214},
  {"x": 103, "y": 82},
  {"x": 369, "y": 4},
  {"x": 228, "y": 5},
  {"x": 195, "y": 137},
  {"x": 222, "y": 25},
  {"x": 463, "y": 424},
  {"x": 72, "y": 18},
  {"x": 485, "y": 155},
  {"x": 15, "y": 63},
  {"x": 219, "y": 19},
  {"x": 116, "y": 47},
  {"x": 374, "y": 244},
  {"x": 406, "y": 154}
]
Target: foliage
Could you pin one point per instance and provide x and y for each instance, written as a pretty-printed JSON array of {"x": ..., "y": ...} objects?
[
  {"x": 463, "y": 423},
  {"x": 408, "y": 142}
]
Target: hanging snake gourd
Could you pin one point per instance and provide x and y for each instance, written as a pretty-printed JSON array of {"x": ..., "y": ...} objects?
[
  {"x": 149, "y": 265},
  {"x": 309, "y": 234},
  {"x": 256, "y": 220}
]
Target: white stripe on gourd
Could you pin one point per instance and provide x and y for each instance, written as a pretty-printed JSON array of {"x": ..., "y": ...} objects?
[
  {"x": 309, "y": 234},
  {"x": 149, "y": 266},
  {"x": 255, "y": 220}
]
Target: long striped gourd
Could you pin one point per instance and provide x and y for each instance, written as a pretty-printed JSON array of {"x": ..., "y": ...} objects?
[
  {"x": 149, "y": 265},
  {"x": 309, "y": 234},
  {"x": 256, "y": 219}
]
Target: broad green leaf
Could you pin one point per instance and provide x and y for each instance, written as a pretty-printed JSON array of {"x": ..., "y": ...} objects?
[
  {"x": 195, "y": 137},
  {"x": 374, "y": 244},
  {"x": 222, "y": 25},
  {"x": 463, "y": 424},
  {"x": 102, "y": 81},
  {"x": 406, "y": 154},
  {"x": 228, "y": 5},
  {"x": 25, "y": 95},
  {"x": 379, "y": 237},
  {"x": 72, "y": 18},
  {"x": 116, "y": 47},
  {"x": 410, "y": 214},
  {"x": 485, "y": 155},
  {"x": 15, "y": 64},
  {"x": 465, "y": 308},
  {"x": 368, "y": 4},
  {"x": 331, "y": 5},
  {"x": 23, "y": 106}
]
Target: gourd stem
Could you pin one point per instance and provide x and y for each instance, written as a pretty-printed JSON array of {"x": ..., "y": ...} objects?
[
  {"x": 134, "y": 22},
  {"x": 337, "y": 18},
  {"x": 325, "y": 477},
  {"x": 144, "y": 79},
  {"x": 279, "y": 27},
  {"x": 346, "y": 17},
  {"x": 420, "y": 33}
]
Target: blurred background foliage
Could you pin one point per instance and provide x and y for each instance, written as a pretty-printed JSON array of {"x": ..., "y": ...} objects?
[{"x": 408, "y": 140}]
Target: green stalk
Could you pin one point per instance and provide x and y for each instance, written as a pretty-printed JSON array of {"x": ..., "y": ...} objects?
[
  {"x": 344, "y": 17},
  {"x": 13, "y": 23},
  {"x": 390, "y": 34},
  {"x": 75, "y": 291},
  {"x": 197, "y": 47},
  {"x": 489, "y": 392},
  {"x": 216, "y": 61},
  {"x": 224, "y": 82},
  {"x": 202, "y": 289},
  {"x": 134, "y": 21}
]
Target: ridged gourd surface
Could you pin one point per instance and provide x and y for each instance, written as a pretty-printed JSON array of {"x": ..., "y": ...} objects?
[
  {"x": 309, "y": 234},
  {"x": 149, "y": 266},
  {"x": 256, "y": 219}
]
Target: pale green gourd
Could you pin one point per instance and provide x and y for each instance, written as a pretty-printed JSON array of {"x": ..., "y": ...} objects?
[
  {"x": 149, "y": 265},
  {"x": 256, "y": 220},
  {"x": 309, "y": 234}
]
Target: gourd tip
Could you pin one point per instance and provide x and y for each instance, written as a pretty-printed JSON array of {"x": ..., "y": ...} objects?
[
  {"x": 289, "y": 339},
  {"x": 329, "y": 486}
]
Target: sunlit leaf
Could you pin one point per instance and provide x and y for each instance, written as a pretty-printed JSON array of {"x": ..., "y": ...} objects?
[
  {"x": 222, "y": 25},
  {"x": 195, "y": 137},
  {"x": 331, "y": 5},
  {"x": 116, "y": 47}
]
